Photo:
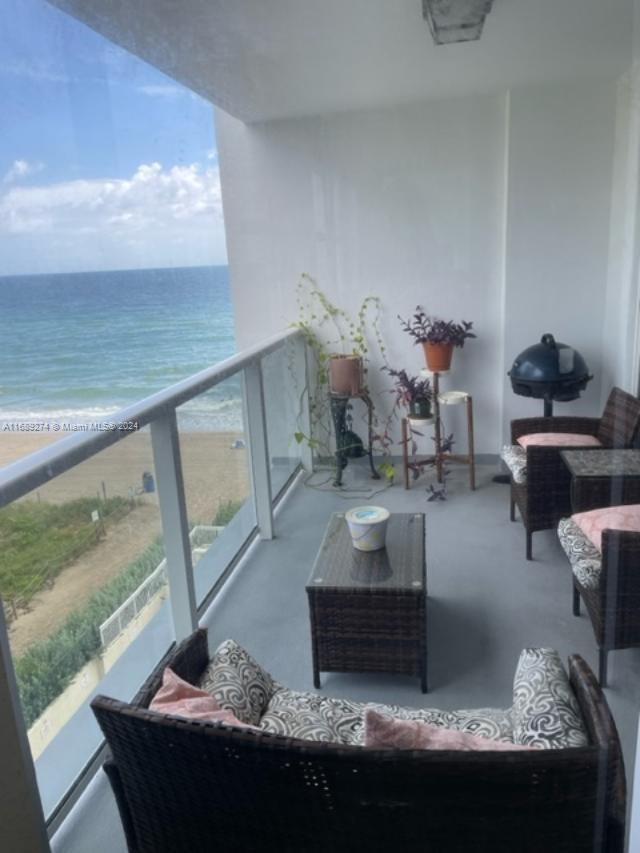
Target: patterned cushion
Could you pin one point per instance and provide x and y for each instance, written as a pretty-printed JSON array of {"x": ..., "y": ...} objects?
[
  {"x": 238, "y": 683},
  {"x": 324, "y": 718},
  {"x": 545, "y": 712},
  {"x": 313, "y": 717},
  {"x": 585, "y": 559},
  {"x": 592, "y": 523},
  {"x": 515, "y": 458},
  {"x": 559, "y": 439}
]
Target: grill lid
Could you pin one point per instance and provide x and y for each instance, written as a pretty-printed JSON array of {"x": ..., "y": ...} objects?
[{"x": 550, "y": 370}]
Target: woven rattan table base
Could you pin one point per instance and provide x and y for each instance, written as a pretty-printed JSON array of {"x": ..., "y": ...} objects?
[{"x": 368, "y": 610}]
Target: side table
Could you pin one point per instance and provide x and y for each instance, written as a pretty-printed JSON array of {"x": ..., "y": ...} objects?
[
  {"x": 368, "y": 608},
  {"x": 603, "y": 477}
]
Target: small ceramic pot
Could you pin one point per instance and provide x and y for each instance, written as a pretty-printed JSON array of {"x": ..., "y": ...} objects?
[
  {"x": 420, "y": 408},
  {"x": 368, "y": 527}
]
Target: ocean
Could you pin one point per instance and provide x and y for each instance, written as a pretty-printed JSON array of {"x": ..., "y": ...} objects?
[{"x": 76, "y": 348}]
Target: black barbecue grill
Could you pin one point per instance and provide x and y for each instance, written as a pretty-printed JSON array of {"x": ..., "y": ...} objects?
[{"x": 550, "y": 371}]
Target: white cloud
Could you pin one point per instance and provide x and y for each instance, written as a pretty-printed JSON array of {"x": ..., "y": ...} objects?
[
  {"x": 21, "y": 169},
  {"x": 152, "y": 198},
  {"x": 153, "y": 213}
]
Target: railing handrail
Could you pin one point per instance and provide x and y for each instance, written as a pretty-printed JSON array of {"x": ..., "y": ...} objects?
[{"x": 23, "y": 476}]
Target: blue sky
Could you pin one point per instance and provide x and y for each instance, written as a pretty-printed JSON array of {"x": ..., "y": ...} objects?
[{"x": 105, "y": 163}]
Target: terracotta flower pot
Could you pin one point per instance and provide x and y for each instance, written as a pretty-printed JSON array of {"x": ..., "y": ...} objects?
[
  {"x": 345, "y": 375},
  {"x": 438, "y": 356}
]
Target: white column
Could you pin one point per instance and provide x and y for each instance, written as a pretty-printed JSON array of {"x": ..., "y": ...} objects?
[
  {"x": 175, "y": 526},
  {"x": 258, "y": 448},
  {"x": 22, "y": 824}
]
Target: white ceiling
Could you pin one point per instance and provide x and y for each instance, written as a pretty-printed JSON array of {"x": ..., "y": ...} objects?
[{"x": 264, "y": 59}]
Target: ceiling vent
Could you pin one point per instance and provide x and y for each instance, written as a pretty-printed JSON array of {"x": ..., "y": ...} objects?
[{"x": 452, "y": 21}]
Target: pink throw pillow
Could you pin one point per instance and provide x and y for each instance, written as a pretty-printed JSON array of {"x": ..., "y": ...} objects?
[
  {"x": 382, "y": 732},
  {"x": 176, "y": 696},
  {"x": 559, "y": 439},
  {"x": 593, "y": 522}
]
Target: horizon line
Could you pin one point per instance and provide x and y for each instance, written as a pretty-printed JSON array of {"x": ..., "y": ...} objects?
[{"x": 114, "y": 270}]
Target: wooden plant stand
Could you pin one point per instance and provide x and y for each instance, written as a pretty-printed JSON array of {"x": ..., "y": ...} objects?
[{"x": 439, "y": 458}]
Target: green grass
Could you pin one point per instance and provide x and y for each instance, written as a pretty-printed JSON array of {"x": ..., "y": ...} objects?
[
  {"x": 225, "y": 512},
  {"x": 48, "y": 667},
  {"x": 37, "y": 540}
]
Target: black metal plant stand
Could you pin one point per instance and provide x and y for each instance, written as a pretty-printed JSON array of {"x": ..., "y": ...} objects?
[{"x": 339, "y": 407}]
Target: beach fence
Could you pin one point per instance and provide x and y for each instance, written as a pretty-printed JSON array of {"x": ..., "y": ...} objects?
[{"x": 201, "y": 537}]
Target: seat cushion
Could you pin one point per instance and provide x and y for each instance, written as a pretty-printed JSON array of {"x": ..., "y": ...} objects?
[
  {"x": 324, "y": 718},
  {"x": 545, "y": 711},
  {"x": 584, "y": 557},
  {"x": 593, "y": 522},
  {"x": 559, "y": 439},
  {"x": 238, "y": 683},
  {"x": 382, "y": 732},
  {"x": 515, "y": 458}
]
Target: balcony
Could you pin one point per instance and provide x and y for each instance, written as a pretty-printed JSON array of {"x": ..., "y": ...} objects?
[
  {"x": 485, "y": 600},
  {"x": 496, "y": 181}
]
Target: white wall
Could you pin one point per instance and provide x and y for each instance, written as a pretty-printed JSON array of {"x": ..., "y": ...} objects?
[
  {"x": 558, "y": 205},
  {"x": 620, "y": 356},
  {"x": 492, "y": 209}
]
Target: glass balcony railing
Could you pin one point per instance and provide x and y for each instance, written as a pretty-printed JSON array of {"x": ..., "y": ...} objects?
[{"x": 114, "y": 540}]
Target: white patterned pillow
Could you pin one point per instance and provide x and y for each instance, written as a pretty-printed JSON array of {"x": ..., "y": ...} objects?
[
  {"x": 238, "y": 683},
  {"x": 515, "y": 458},
  {"x": 313, "y": 717},
  {"x": 545, "y": 712}
]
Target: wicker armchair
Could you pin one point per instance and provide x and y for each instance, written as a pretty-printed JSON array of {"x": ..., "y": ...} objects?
[
  {"x": 608, "y": 581},
  {"x": 194, "y": 786},
  {"x": 544, "y": 498}
]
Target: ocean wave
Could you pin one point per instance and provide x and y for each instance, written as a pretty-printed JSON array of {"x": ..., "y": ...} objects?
[
  {"x": 197, "y": 415},
  {"x": 93, "y": 413}
]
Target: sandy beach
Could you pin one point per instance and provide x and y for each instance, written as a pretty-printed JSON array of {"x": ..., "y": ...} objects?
[{"x": 213, "y": 474}]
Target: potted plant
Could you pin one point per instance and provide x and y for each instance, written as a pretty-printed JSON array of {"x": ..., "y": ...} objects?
[
  {"x": 346, "y": 374},
  {"x": 340, "y": 343},
  {"x": 438, "y": 337},
  {"x": 413, "y": 392}
]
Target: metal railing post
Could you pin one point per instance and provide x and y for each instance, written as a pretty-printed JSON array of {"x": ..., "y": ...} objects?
[
  {"x": 175, "y": 525},
  {"x": 258, "y": 448}
]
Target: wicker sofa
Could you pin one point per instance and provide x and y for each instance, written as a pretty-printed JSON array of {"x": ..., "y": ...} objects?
[{"x": 304, "y": 782}]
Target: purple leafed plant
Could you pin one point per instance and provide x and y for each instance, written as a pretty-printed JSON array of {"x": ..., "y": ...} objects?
[
  {"x": 426, "y": 329},
  {"x": 408, "y": 388}
]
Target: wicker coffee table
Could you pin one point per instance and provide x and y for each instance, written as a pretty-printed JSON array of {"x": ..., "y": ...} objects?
[{"x": 368, "y": 609}]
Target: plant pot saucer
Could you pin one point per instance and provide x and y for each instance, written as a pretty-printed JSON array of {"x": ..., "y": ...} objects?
[
  {"x": 451, "y": 398},
  {"x": 425, "y": 371}
]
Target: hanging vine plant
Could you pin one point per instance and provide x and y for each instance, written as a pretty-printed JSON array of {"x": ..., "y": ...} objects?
[{"x": 342, "y": 347}]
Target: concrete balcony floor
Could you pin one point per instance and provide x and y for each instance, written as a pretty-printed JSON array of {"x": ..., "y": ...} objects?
[{"x": 486, "y": 603}]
